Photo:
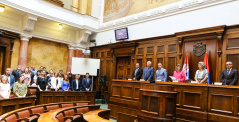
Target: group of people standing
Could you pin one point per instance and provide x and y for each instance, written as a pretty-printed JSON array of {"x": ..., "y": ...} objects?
[
  {"x": 18, "y": 81},
  {"x": 229, "y": 76}
]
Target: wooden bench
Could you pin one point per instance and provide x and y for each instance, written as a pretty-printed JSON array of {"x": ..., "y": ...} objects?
[{"x": 101, "y": 115}]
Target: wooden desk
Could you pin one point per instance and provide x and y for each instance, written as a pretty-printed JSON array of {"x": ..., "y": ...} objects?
[
  {"x": 101, "y": 115},
  {"x": 7, "y": 105},
  {"x": 124, "y": 97},
  {"x": 46, "y": 97},
  {"x": 195, "y": 102}
]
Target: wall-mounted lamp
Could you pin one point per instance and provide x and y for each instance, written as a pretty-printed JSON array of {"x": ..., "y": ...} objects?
[
  {"x": 60, "y": 26},
  {"x": 2, "y": 8}
]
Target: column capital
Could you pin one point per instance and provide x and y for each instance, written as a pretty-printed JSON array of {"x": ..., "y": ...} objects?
[{"x": 25, "y": 37}]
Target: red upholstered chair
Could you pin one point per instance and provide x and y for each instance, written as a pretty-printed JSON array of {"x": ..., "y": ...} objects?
[
  {"x": 67, "y": 105},
  {"x": 11, "y": 118},
  {"x": 51, "y": 107},
  {"x": 80, "y": 104},
  {"x": 60, "y": 117},
  {"x": 24, "y": 116},
  {"x": 82, "y": 110},
  {"x": 38, "y": 110},
  {"x": 33, "y": 92},
  {"x": 70, "y": 115}
]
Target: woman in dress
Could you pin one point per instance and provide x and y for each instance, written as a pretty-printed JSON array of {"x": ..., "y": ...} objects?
[
  {"x": 54, "y": 82},
  {"x": 20, "y": 87},
  {"x": 65, "y": 84},
  {"x": 27, "y": 75},
  {"x": 5, "y": 89},
  {"x": 201, "y": 75},
  {"x": 42, "y": 82},
  {"x": 179, "y": 74}
]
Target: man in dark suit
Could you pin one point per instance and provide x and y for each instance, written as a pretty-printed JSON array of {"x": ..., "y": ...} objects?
[
  {"x": 137, "y": 73},
  {"x": 87, "y": 82},
  {"x": 76, "y": 84},
  {"x": 148, "y": 72},
  {"x": 10, "y": 78},
  {"x": 229, "y": 76},
  {"x": 17, "y": 73}
]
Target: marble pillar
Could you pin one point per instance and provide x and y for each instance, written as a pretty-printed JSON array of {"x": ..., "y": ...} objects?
[
  {"x": 71, "y": 54},
  {"x": 22, "y": 61}
]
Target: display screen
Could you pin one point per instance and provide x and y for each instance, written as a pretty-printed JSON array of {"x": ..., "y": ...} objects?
[{"x": 121, "y": 34}]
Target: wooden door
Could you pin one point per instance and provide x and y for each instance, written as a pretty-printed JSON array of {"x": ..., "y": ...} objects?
[
  {"x": 123, "y": 68},
  {"x": 2, "y": 59}
]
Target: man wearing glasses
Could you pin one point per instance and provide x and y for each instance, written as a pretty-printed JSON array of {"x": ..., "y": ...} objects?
[{"x": 229, "y": 76}]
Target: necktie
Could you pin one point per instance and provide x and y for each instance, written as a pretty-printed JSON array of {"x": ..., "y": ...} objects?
[{"x": 228, "y": 71}]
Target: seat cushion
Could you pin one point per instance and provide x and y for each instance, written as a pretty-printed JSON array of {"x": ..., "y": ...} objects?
[
  {"x": 69, "y": 112},
  {"x": 67, "y": 105},
  {"x": 60, "y": 117},
  {"x": 37, "y": 110},
  {"x": 11, "y": 118},
  {"x": 80, "y": 104},
  {"x": 52, "y": 107},
  {"x": 83, "y": 110},
  {"x": 33, "y": 117},
  {"x": 24, "y": 114}
]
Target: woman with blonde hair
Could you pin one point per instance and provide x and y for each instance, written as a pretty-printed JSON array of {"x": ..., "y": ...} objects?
[
  {"x": 54, "y": 81},
  {"x": 201, "y": 75},
  {"x": 179, "y": 74},
  {"x": 20, "y": 87},
  {"x": 5, "y": 88},
  {"x": 27, "y": 75}
]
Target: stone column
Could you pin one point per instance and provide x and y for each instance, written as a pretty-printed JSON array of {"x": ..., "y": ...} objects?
[
  {"x": 79, "y": 53},
  {"x": 71, "y": 54},
  {"x": 22, "y": 61}
]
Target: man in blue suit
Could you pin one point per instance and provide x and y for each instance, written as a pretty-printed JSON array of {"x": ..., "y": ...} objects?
[
  {"x": 161, "y": 73},
  {"x": 87, "y": 82},
  {"x": 148, "y": 72},
  {"x": 10, "y": 78}
]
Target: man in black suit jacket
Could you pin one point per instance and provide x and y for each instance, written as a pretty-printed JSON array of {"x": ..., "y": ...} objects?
[
  {"x": 77, "y": 84},
  {"x": 17, "y": 73},
  {"x": 137, "y": 73},
  {"x": 229, "y": 76}
]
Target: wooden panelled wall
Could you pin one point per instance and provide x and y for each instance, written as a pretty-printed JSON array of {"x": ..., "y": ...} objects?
[{"x": 222, "y": 44}]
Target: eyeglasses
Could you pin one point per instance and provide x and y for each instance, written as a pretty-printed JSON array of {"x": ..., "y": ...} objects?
[{"x": 228, "y": 64}]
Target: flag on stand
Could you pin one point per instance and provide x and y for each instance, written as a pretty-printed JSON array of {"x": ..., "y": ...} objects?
[
  {"x": 186, "y": 67},
  {"x": 207, "y": 68}
]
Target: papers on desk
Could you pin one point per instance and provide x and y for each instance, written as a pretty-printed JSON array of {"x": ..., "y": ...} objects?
[
  {"x": 173, "y": 79},
  {"x": 217, "y": 83},
  {"x": 158, "y": 80},
  {"x": 141, "y": 80},
  {"x": 129, "y": 79},
  {"x": 194, "y": 82}
]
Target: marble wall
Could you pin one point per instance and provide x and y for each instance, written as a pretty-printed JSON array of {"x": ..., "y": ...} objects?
[{"x": 52, "y": 55}]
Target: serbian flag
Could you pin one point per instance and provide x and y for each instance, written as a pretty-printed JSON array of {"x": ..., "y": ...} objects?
[
  {"x": 207, "y": 67},
  {"x": 186, "y": 67}
]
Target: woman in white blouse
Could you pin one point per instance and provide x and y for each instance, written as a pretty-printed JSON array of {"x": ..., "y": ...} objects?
[
  {"x": 4, "y": 87},
  {"x": 60, "y": 79},
  {"x": 201, "y": 75},
  {"x": 54, "y": 82}
]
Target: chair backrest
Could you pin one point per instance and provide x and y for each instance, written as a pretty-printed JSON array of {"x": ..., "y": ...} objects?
[
  {"x": 33, "y": 92},
  {"x": 37, "y": 110},
  {"x": 83, "y": 110},
  {"x": 67, "y": 105},
  {"x": 52, "y": 107},
  {"x": 80, "y": 104},
  {"x": 11, "y": 118},
  {"x": 23, "y": 114},
  {"x": 69, "y": 112},
  {"x": 59, "y": 117}
]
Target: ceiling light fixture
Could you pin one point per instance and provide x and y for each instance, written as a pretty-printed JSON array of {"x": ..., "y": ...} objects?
[
  {"x": 2, "y": 8},
  {"x": 60, "y": 26}
]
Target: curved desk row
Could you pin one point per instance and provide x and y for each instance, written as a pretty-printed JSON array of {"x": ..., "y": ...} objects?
[
  {"x": 33, "y": 112},
  {"x": 88, "y": 113}
]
